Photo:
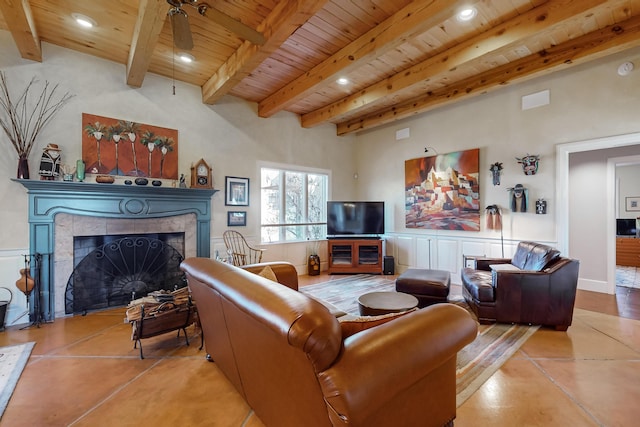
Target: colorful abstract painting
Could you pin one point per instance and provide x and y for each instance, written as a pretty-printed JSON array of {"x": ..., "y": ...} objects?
[
  {"x": 442, "y": 191},
  {"x": 119, "y": 147}
]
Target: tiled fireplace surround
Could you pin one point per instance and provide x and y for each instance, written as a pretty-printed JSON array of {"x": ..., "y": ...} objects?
[
  {"x": 67, "y": 227},
  {"x": 59, "y": 211}
]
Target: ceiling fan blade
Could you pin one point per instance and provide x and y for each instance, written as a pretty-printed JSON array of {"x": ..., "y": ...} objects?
[
  {"x": 181, "y": 32},
  {"x": 241, "y": 30}
]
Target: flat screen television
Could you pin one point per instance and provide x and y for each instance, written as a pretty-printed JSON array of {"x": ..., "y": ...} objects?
[
  {"x": 626, "y": 227},
  {"x": 351, "y": 219}
]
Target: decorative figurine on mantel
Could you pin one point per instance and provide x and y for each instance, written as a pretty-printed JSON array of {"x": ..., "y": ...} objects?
[{"x": 50, "y": 163}]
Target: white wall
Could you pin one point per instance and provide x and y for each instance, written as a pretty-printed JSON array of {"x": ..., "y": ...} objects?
[
  {"x": 628, "y": 180},
  {"x": 589, "y": 101},
  {"x": 228, "y": 135}
]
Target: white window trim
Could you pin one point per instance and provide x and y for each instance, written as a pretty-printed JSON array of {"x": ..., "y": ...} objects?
[{"x": 291, "y": 168}]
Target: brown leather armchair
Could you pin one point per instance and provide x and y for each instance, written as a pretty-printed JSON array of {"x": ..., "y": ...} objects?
[{"x": 536, "y": 286}]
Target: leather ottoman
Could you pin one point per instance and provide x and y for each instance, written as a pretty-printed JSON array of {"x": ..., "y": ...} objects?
[{"x": 428, "y": 286}]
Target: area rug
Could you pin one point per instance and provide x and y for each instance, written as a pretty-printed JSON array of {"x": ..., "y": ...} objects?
[
  {"x": 493, "y": 346},
  {"x": 12, "y": 361}
]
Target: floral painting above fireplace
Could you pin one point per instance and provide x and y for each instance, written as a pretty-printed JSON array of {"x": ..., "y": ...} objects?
[
  {"x": 119, "y": 147},
  {"x": 442, "y": 191}
]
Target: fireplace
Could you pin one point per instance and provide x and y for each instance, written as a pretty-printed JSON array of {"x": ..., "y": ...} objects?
[
  {"x": 112, "y": 270},
  {"x": 61, "y": 211}
]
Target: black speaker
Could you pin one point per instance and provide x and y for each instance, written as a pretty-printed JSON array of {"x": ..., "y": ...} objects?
[{"x": 388, "y": 265}]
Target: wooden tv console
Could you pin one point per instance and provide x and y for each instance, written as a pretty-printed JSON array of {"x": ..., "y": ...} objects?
[
  {"x": 355, "y": 256},
  {"x": 628, "y": 251}
]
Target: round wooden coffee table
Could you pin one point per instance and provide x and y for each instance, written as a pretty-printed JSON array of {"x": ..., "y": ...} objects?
[{"x": 376, "y": 303}]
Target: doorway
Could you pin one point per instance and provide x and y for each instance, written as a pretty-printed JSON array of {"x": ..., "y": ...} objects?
[{"x": 563, "y": 152}]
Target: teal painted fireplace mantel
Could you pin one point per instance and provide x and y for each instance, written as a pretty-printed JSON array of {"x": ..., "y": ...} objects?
[{"x": 48, "y": 198}]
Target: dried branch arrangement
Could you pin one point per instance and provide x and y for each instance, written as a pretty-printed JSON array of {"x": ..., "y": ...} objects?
[{"x": 23, "y": 119}]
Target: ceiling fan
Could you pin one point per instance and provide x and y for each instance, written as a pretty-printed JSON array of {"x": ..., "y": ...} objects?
[{"x": 182, "y": 33}]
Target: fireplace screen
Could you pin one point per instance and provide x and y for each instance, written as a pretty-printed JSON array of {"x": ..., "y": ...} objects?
[{"x": 124, "y": 269}]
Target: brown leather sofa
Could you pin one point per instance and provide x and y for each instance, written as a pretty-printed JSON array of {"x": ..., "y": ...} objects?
[
  {"x": 285, "y": 354},
  {"x": 536, "y": 286}
]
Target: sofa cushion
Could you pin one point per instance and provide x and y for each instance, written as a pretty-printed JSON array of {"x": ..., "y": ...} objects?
[
  {"x": 479, "y": 284},
  {"x": 268, "y": 273},
  {"x": 541, "y": 257},
  {"x": 335, "y": 311},
  {"x": 353, "y": 324},
  {"x": 534, "y": 256}
]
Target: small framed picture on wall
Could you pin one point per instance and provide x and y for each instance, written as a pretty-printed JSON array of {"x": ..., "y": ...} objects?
[
  {"x": 236, "y": 218},
  {"x": 236, "y": 191},
  {"x": 632, "y": 204}
]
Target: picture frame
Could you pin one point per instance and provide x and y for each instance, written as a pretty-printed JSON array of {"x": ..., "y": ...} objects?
[
  {"x": 236, "y": 191},
  {"x": 236, "y": 218},
  {"x": 632, "y": 204}
]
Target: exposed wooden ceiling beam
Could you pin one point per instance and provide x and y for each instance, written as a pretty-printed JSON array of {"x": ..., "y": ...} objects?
[
  {"x": 413, "y": 19},
  {"x": 608, "y": 41},
  {"x": 285, "y": 18},
  {"x": 499, "y": 39},
  {"x": 151, "y": 17},
  {"x": 17, "y": 15}
]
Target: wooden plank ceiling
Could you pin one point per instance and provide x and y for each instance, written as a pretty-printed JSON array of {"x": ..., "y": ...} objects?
[{"x": 401, "y": 57}]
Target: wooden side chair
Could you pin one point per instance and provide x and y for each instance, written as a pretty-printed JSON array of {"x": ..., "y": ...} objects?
[{"x": 241, "y": 252}]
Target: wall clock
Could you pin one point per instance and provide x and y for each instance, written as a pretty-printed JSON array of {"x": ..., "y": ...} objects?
[{"x": 201, "y": 175}]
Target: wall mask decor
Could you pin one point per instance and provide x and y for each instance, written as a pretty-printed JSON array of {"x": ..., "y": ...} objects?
[
  {"x": 442, "y": 191},
  {"x": 493, "y": 217},
  {"x": 541, "y": 206},
  {"x": 529, "y": 163},
  {"x": 518, "y": 198},
  {"x": 495, "y": 169}
]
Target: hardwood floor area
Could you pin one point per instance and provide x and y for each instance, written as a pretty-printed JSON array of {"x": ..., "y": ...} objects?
[{"x": 84, "y": 371}]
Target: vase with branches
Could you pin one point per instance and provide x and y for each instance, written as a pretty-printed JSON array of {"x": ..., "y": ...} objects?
[{"x": 24, "y": 117}]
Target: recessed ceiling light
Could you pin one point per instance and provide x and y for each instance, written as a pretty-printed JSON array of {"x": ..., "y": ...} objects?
[
  {"x": 186, "y": 57},
  {"x": 83, "y": 20},
  {"x": 467, "y": 14},
  {"x": 343, "y": 81}
]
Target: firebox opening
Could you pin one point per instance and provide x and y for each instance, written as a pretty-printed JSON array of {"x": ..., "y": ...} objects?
[{"x": 110, "y": 271}]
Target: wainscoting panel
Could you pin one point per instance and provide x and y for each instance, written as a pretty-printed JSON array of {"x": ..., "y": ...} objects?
[
  {"x": 405, "y": 246},
  {"x": 474, "y": 248},
  {"x": 448, "y": 258},
  {"x": 423, "y": 252}
]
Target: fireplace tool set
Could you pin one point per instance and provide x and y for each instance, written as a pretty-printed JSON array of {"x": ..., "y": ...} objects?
[{"x": 27, "y": 284}]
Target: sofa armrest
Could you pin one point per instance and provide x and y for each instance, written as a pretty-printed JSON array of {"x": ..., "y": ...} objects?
[
  {"x": 540, "y": 297},
  {"x": 379, "y": 364},
  {"x": 285, "y": 272},
  {"x": 504, "y": 282},
  {"x": 482, "y": 263}
]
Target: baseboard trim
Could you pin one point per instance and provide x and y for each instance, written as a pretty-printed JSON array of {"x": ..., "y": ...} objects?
[{"x": 593, "y": 285}]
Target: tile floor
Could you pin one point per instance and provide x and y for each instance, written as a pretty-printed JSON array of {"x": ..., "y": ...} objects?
[{"x": 84, "y": 372}]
